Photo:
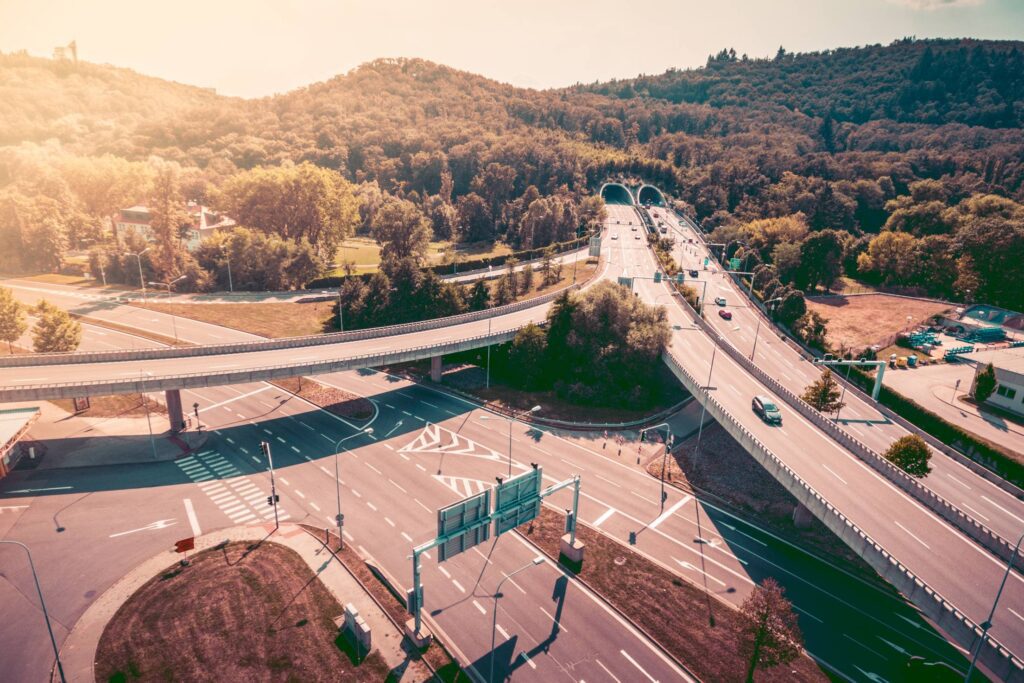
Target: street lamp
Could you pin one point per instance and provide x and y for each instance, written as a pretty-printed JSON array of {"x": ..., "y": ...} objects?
[
  {"x": 987, "y": 624},
  {"x": 42, "y": 604},
  {"x": 497, "y": 594},
  {"x": 515, "y": 417},
  {"x": 227, "y": 257},
  {"x": 770, "y": 301},
  {"x": 340, "y": 518},
  {"x": 664, "y": 461},
  {"x": 142, "y": 282},
  {"x": 168, "y": 285}
]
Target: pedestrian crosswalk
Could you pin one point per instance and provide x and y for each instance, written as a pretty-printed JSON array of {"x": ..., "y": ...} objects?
[{"x": 226, "y": 487}]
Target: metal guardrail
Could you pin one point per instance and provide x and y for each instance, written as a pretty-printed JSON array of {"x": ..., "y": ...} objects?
[
  {"x": 275, "y": 344},
  {"x": 995, "y": 655}
]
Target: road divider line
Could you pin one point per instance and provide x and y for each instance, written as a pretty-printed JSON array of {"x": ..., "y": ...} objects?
[
  {"x": 911, "y": 534},
  {"x": 604, "y": 517},
  {"x": 192, "y": 520},
  {"x": 671, "y": 511}
]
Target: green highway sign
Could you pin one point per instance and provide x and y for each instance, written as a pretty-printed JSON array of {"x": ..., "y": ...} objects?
[
  {"x": 517, "y": 501},
  {"x": 460, "y": 525},
  {"x": 734, "y": 264}
]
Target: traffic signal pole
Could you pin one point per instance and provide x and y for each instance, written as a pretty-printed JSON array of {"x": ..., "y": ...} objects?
[{"x": 272, "y": 499}]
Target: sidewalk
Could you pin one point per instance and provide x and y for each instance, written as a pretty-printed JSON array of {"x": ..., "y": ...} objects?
[{"x": 78, "y": 651}]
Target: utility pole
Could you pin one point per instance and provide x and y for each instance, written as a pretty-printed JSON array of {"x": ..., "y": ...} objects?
[
  {"x": 272, "y": 498},
  {"x": 42, "y": 604}
]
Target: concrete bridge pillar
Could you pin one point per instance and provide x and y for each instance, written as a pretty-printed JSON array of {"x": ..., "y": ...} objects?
[
  {"x": 174, "y": 413},
  {"x": 435, "y": 368}
]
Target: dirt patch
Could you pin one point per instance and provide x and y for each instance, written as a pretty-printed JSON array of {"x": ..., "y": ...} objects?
[
  {"x": 118, "y": 405},
  {"x": 274, "y": 320},
  {"x": 233, "y": 614},
  {"x": 434, "y": 655},
  {"x": 672, "y": 611},
  {"x": 332, "y": 400},
  {"x": 859, "y": 321},
  {"x": 727, "y": 472}
]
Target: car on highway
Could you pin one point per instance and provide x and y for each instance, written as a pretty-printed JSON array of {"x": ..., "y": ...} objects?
[
  {"x": 693, "y": 272},
  {"x": 766, "y": 410},
  {"x": 636, "y": 236},
  {"x": 633, "y": 228},
  {"x": 615, "y": 235},
  {"x": 720, "y": 300},
  {"x": 726, "y": 315}
]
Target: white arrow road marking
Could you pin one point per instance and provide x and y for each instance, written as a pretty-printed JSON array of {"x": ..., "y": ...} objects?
[
  {"x": 52, "y": 488},
  {"x": 397, "y": 425},
  {"x": 158, "y": 524}
]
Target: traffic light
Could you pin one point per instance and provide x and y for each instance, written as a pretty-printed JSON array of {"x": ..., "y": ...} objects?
[
  {"x": 265, "y": 448},
  {"x": 657, "y": 276},
  {"x": 273, "y": 499},
  {"x": 679, "y": 278}
]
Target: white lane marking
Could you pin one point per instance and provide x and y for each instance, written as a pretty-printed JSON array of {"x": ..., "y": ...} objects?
[
  {"x": 324, "y": 470},
  {"x": 193, "y": 522},
  {"x": 424, "y": 469},
  {"x": 356, "y": 493},
  {"x": 406, "y": 413},
  {"x": 975, "y": 511},
  {"x": 427, "y": 403},
  {"x": 390, "y": 523},
  {"x": 912, "y": 535},
  {"x": 296, "y": 449},
  {"x": 529, "y": 661},
  {"x": 616, "y": 485},
  {"x": 417, "y": 500},
  {"x": 604, "y": 516},
  {"x": 605, "y": 670},
  {"x": 803, "y": 611},
  {"x": 1000, "y": 507},
  {"x": 1014, "y": 613},
  {"x": 314, "y": 506},
  {"x": 833, "y": 473},
  {"x": 299, "y": 494},
  {"x": 444, "y": 572},
  {"x": 236, "y": 398},
  {"x": 634, "y": 663},
  {"x": 407, "y": 537},
  {"x": 269, "y": 432},
  {"x": 306, "y": 426},
  {"x": 371, "y": 506},
  {"x": 652, "y": 502},
  {"x": 374, "y": 468},
  {"x": 153, "y": 526},
  {"x": 393, "y": 483},
  {"x": 958, "y": 481},
  {"x": 283, "y": 480},
  {"x": 503, "y": 632},
  {"x": 329, "y": 439},
  {"x": 280, "y": 439},
  {"x": 391, "y": 448},
  {"x": 692, "y": 567},
  {"x": 671, "y": 511},
  {"x": 222, "y": 496},
  {"x": 458, "y": 585},
  {"x": 572, "y": 464},
  {"x": 555, "y": 621},
  {"x": 245, "y": 518},
  {"x": 479, "y": 607}
]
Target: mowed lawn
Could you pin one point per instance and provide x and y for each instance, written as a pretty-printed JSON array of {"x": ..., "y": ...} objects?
[
  {"x": 233, "y": 614},
  {"x": 364, "y": 253},
  {"x": 859, "y": 321},
  {"x": 265, "y": 319}
]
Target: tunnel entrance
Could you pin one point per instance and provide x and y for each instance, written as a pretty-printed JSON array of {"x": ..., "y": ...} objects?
[
  {"x": 651, "y": 195},
  {"x": 614, "y": 193}
]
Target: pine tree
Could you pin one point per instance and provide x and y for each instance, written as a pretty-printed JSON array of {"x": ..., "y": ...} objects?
[
  {"x": 824, "y": 393},
  {"x": 985, "y": 383},
  {"x": 55, "y": 330},
  {"x": 479, "y": 296},
  {"x": 12, "y": 318}
]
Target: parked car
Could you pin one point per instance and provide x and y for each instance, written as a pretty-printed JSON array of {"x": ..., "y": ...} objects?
[
  {"x": 693, "y": 272},
  {"x": 727, "y": 315},
  {"x": 720, "y": 300},
  {"x": 766, "y": 410}
]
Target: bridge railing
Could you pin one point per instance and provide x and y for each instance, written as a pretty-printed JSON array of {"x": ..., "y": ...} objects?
[
  {"x": 275, "y": 344},
  {"x": 994, "y": 655}
]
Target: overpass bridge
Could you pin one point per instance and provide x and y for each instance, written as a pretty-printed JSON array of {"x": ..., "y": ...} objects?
[{"x": 949, "y": 577}]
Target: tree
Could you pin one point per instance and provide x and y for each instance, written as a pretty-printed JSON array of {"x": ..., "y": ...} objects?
[
  {"x": 169, "y": 217},
  {"x": 821, "y": 260},
  {"x": 911, "y": 454},
  {"x": 402, "y": 231},
  {"x": 475, "y": 222},
  {"x": 545, "y": 267},
  {"x": 55, "y": 330},
  {"x": 527, "y": 357},
  {"x": 812, "y": 328},
  {"x": 791, "y": 308},
  {"x": 823, "y": 394},
  {"x": 12, "y": 318},
  {"x": 479, "y": 296},
  {"x": 768, "y": 628},
  {"x": 984, "y": 383}
]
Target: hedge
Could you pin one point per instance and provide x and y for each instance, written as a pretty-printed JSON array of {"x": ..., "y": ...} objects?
[{"x": 974, "y": 448}]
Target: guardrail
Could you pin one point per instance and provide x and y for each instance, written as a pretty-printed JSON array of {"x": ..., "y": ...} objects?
[
  {"x": 275, "y": 344},
  {"x": 192, "y": 380},
  {"x": 996, "y": 657},
  {"x": 975, "y": 530}
]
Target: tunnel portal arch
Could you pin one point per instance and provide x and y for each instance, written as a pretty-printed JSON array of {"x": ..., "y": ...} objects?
[{"x": 616, "y": 193}]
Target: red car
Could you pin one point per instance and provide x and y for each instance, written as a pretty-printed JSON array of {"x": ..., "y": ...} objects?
[{"x": 727, "y": 315}]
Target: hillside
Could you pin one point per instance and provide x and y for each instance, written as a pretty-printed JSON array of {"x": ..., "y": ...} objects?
[{"x": 978, "y": 83}]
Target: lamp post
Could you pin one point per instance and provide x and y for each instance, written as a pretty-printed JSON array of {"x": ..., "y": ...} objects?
[
  {"x": 770, "y": 301},
  {"x": 664, "y": 461},
  {"x": 704, "y": 406},
  {"x": 142, "y": 281},
  {"x": 497, "y": 594},
  {"x": 42, "y": 604},
  {"x": 340, "y": 518},
  {"x": 515, "y": 417},
  {"x": 168, "y": 285},
  {"x": 341, "y": 320},
  {"x": 987, "y": 624}
]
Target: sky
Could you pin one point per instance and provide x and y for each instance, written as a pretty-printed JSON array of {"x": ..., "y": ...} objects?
[{"x": 253, "y": 48}]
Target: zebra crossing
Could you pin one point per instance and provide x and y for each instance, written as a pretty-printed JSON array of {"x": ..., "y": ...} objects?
[
  {"x": 464, "y": 486},
  {"x": 226, "y": 487}
]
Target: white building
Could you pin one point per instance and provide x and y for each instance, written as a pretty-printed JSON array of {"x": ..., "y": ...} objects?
[
  {"x": 1009, "y": 367},
  {"x": 203, "y": 222}
]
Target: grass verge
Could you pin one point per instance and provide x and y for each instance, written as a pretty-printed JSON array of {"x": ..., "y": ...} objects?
[
  {"x": 341, "y": 403},
  {"x": 273, "y": 320},
  {"x": 239, "y": 612},
  {"x": 670, "y": 610}
]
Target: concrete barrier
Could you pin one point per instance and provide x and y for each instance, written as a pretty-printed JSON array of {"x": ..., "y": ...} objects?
[
  {"x": 994, "y": 656},
  {"x": 273, "y": 344}
]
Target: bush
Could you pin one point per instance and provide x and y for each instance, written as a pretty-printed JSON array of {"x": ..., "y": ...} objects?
[{"x": 911, "y": 454}]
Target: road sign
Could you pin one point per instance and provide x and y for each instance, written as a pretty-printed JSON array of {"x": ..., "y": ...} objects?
[
  {"x": 595, "y": 246},
  {"x": 734, "y": 264},
  {"x": 517, "y": 501},
  {"x": 626, "y": 281},
  {"x": 706, "y": 260},
  {"x": 459, "y": 524},
  {"x": 185, "y": 544},
  {"x": 657, "y": 276}
]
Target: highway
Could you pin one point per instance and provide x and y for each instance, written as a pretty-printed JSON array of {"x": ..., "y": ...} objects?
[
  {"x": 865, "y": 625},
  {"x": 942, "y": 557},
  {"x": 989, "y": 504}
]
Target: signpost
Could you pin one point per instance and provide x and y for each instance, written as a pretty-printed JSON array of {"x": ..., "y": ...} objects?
[
  {"x": 734, "y": 263},
  {"x": 595, "y": 246},
  {"x": 517, "y": 501},
  {"x": 183, "y": 546}
]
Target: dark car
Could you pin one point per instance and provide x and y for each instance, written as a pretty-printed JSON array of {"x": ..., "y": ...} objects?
[
  {"x": 693, "y": 272},
  {"x": 766, "y": 410},
  {"x": 725, "y": 314}
]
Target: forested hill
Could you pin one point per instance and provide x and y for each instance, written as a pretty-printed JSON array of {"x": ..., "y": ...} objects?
[{"x": 978, "y": 83}]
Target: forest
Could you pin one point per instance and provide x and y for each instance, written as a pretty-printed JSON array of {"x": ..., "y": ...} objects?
[{"x": 898, "y": 165}]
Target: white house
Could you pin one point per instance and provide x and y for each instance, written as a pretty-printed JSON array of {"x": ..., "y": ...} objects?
[
  {"x": 203, "y": 222},
  {"x": 1009, "y": 367}
]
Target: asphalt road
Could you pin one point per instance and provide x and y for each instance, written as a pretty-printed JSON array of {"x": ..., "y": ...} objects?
[{"x": 727, "y": 553}]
